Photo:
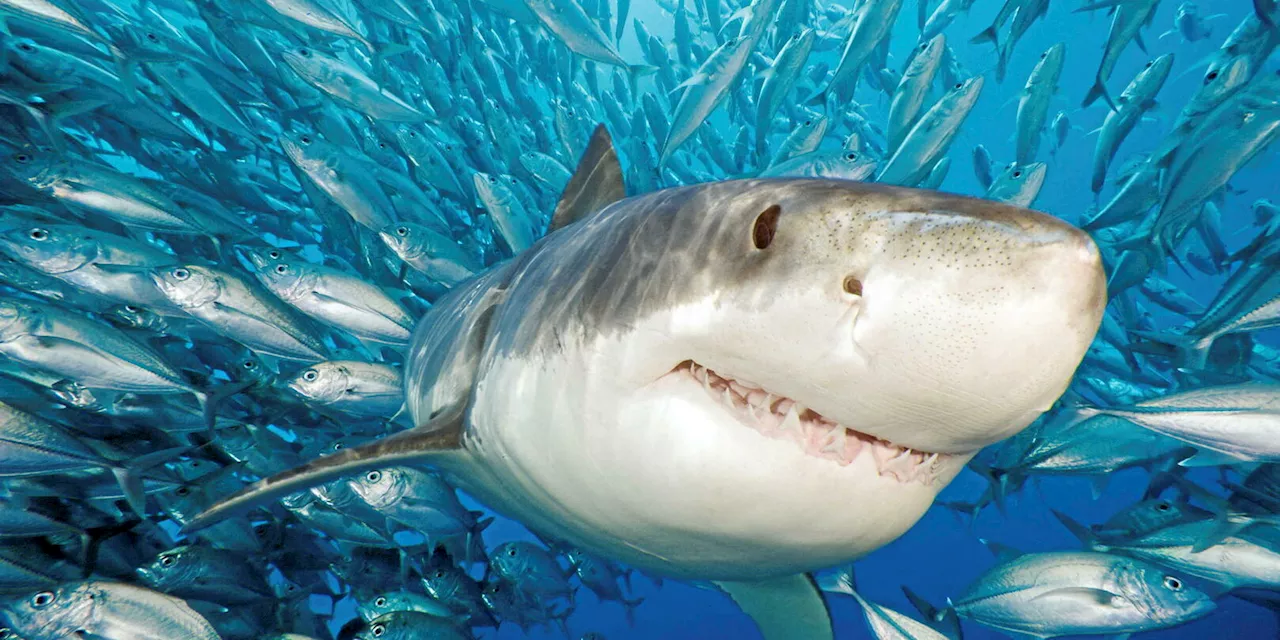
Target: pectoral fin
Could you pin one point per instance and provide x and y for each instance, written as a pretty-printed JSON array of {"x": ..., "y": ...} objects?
[
  {"x": 788, "y": 608},
  {"x": 440, "y": 435}
]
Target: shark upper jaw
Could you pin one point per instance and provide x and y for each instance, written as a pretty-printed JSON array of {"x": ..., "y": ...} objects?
[{"x": 781, "y": 418}]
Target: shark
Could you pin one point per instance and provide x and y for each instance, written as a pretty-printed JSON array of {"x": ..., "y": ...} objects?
[{"x": 738, "y": 382}]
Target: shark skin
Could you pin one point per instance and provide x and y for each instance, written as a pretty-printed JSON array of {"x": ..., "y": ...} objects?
[{"x": 739, "y": 381}]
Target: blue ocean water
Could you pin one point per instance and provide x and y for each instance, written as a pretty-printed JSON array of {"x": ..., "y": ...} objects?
[{"x": 941, "y": 554}]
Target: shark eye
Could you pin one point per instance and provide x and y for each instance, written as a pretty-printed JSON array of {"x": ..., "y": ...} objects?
[
  {"x": 180, "y": 274},
  {"x": 852, "y": 286},
  {"x": 1173, "y": 584},
  {"x": 42, "y": 599},
  {"x": 766, "y": 227},
  {"x": 39, "y": 234},
  {"x": 373, "y": 476}
]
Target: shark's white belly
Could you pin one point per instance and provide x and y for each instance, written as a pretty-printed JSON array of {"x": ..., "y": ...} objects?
[{"x": 667, "y": 482}]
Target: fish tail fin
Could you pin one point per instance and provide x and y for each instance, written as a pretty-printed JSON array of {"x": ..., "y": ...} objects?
[
  {"x": 1192, "y": 351},
  {"x": 987, "y": 35},
  {"x": 209, "y": 401},
  {"x": 1098, "y": 90},
  {"x": 93, "y": 538},
  {"x": 942, "y": 620},
  {"x": 630, "y": 607},
  {"x": 130, "y": 475},
  {"x": 1081, "y": 532}
]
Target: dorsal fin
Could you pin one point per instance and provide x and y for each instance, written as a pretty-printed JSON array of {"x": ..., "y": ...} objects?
[{"x": 596, "y": 184}]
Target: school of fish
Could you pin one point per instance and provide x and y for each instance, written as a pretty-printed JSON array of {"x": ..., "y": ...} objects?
[{"x": 220, "y": 221}]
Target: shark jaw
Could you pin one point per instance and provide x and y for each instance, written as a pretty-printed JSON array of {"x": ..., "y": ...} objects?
[{"x": 778, "y": 417}]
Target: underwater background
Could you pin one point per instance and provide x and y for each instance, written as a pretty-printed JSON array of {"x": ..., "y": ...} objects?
[{"x": 937, "y": 558}]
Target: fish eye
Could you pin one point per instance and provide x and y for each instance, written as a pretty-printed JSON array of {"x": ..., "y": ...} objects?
[
  {"x": 26, "y": 47},
  {"x": 22, "y": 158},
  {"x": 1163, "y": 506},
  {"x": 402, "y": 231},
  {"x": 273, "y": 254},
  {"x": 511, "y": 552},
  {"x": 131, "y": 309},
  {"x": 493, "y": 180},
  {"x": 924, "y": 47},
  {"x": 304, "y": 139},
  {"x": 765, "y": 227},
  {"x": 380, "y": 602},
  {"x": 373, "y": 476},
  {"x": 413, "y": 135},
  {"x": 337, "y": 446},
  {"x": 378, "y": 630},
  {"x": 42, "y": 599},
  {"x": 382, "y": 145},
  {"x": 572, "y": 113},
  {"x": 182, "y": 491},
  {"x": 1017, "y": 174},
  {"x": 39, "y": 234},
  {"x": 1173, "y": 584},
  {"x": 153, "y": 37},
  {"x": 304, "y": 52},
  {"x": 850, "y": 156},
  {"x": 439, "y": 574},
  {"x": 310, "y": 375},
  {"x": 808, "y": 123},
  {"x": 958, "y": 85},
  {"x": 1148, "y": 65},
  {"x": 180, "y": 273},
  {"x": 167, "y": 561},
  {"x": 282, "y": 269},
  {"x": 1210, "y": 77}
]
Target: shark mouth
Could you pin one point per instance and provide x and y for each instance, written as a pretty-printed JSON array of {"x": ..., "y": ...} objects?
[{"x": 781, "y": 418}]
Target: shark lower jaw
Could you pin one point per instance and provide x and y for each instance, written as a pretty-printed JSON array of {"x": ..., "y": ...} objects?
[{"x": 778, "y": 417}]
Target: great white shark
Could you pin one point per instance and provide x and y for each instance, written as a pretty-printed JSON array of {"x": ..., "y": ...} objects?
[{"x": 741, "y": 381}]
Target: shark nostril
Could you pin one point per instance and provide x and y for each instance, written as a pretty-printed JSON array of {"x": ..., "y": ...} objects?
[{"x": 852, "y": 286}]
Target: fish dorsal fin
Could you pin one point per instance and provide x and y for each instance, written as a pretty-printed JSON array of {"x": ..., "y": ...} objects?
[
  {"x": 787, "y": 608},
  {"x": 596, "y": 184},
  {"x": 1003, "y": 553},
  {"x": 441, "y": 433}
]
